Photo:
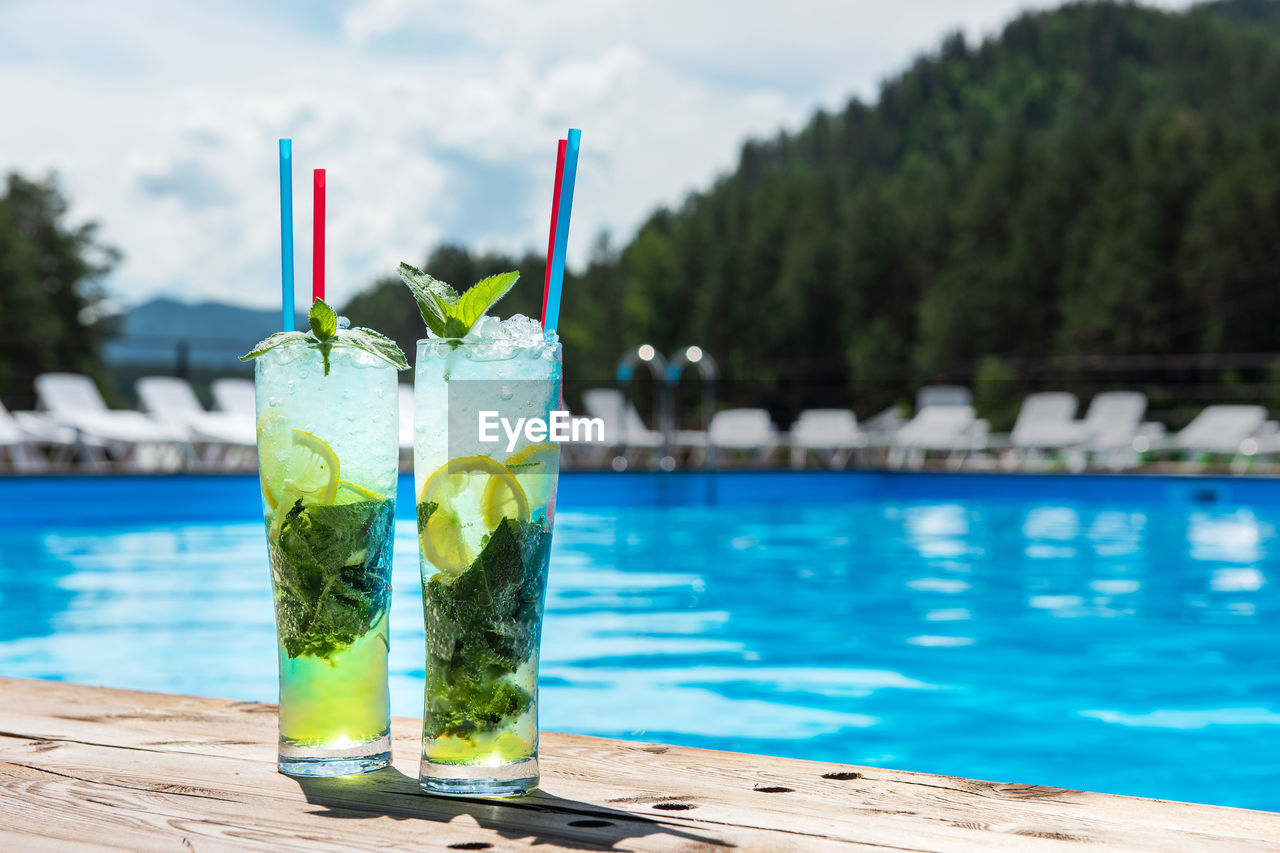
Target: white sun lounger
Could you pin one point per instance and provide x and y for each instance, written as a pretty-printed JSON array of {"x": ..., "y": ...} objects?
[
  {"x": 832, "y": 434},
  {"x": 234, "y": 395},
  {"x": 1221, "y": 429},
  {"x": 1046, "y": 424},
  {"x": 626, "y": 437},
  {"x": 22, "y": 453},
  {"x": 171, "y": 400},
  {"x": 1112, "y": 425},
  {"x": 223, "y": 437},
  {"x": 47, "y": 438},
  {"x": 743, "y": 430},
  {"x": 951, "y": 429},
  {"x": 623, "y": 426},
  {"x": 1046, "y": 421},
  {"x": 72, "y": 400},
  {"x": 1114, "y": 420}
]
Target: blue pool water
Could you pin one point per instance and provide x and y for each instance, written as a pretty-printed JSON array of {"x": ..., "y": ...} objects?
[{"x": 1112, "y": 634}]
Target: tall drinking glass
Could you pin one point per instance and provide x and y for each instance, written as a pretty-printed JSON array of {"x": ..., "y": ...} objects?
[
  {"x": 485, "y": 510},
  {"x": 328, "y": 455}
]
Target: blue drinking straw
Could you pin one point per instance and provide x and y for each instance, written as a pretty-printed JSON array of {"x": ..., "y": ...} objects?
[
  {"x": 286, "y": 235},
  {"x": 562, "y": 229}
]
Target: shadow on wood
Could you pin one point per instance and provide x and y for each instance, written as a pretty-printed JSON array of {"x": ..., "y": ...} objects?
[{"x": 541, "y": 817}]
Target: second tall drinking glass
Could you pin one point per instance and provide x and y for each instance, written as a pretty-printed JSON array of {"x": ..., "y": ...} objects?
[
  {"x": 328, "y": 455},
  {"x": 486, "y": 502}
]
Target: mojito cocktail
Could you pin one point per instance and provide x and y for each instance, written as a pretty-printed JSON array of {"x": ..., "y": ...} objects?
[
  {"x": 328, "y": 455},
  {"x": 485, "y": 511}
]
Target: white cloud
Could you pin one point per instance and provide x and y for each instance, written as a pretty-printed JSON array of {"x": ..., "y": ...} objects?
[{"x": 436, "y": 120}]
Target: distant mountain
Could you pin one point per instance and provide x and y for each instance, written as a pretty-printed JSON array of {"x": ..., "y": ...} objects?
[
  {"x": 1264, "y": 12},
  {"x": 213, "y": 332}
]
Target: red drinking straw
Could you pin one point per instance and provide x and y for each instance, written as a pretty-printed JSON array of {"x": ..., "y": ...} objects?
[
  {"x": 555, "y": 216},
  {"x": 317, "y": 239}
]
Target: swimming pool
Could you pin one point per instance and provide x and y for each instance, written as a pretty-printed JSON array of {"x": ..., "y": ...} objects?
[{"x": 1116, "y": 634}]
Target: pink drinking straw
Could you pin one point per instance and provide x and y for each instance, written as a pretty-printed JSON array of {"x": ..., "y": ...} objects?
[
  {"x": 555, "y": 215},
  {"x": 317, "y": 238}
]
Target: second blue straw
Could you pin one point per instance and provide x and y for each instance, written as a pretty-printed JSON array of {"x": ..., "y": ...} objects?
[{"x": 562, "y": 230}]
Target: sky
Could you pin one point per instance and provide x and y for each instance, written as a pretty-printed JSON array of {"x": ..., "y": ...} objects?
[{"x": 436, "y": 121}]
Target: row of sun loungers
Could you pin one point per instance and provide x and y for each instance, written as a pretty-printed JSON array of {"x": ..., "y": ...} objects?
[
  {"x": 173, "y": 430},
  {"x": 1111, "y": 434}
]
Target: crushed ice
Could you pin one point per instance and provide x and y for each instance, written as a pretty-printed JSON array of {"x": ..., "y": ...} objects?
[{"x": 492, "y": 337}]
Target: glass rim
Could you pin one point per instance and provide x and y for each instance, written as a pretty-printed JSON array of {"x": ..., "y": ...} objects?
[
  {"x": 338, "y": 347},
  {"x": 464, "y": 342}
]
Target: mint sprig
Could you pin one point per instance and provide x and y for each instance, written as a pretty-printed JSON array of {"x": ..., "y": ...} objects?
[
  {"x": 482, "y": 627},
  {"x": 324, "y": 333},
  {"x": 332, "y": 570},
  {"x": 447, "y": 313}
]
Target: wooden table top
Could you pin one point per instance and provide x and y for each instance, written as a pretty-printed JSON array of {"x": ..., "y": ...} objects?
[{"x": 95, "y": 768}]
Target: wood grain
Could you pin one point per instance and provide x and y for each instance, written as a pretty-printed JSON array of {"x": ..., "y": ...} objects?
[{"x": 114, "y": 769}]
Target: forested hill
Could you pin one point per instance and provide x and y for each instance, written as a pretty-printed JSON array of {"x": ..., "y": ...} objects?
[{"x": 1099, "y": 179}]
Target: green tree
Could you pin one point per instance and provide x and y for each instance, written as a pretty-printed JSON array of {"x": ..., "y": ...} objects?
[{"x": 51, "y": 296}]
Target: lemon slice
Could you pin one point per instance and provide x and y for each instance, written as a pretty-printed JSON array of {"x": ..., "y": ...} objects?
[
  {"x": 350, "y": 493},
  {"x": 312, "y": 468},
  {"x": 534, "y": 468},
  {"x": 295, "y": 462},
  {"x": 451, "y": 537},
  {"x": 274, "y": 442}
]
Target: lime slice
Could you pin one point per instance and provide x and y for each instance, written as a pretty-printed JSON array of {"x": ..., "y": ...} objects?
[
  {"x": 534, "y": 468},
  {"x": 295, "y": 462},
  {"x": 451, "y": 537}
]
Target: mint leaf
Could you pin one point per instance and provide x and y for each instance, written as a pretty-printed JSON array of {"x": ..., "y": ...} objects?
[
  {"x": 332, "y": 571},
  {"x": 323, "y": 320},
  {"x": 480, "y": 297},
  {"x": 324, "y": 325},
  {"x": 435, "y": 298},
  {"x": 277, "y": 340},
  {"x": 375, "y": 343},
  {"x": 447, "y": 314}
]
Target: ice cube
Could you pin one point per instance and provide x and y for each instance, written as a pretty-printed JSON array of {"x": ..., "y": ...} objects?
[
  {"x": 486, "y": 328},
  {"x": 496, "y": 339},
  {"x": 520, "y": 331}
]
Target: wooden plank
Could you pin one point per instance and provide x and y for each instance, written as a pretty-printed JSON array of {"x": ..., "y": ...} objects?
[{"x": 112, "y": 768}]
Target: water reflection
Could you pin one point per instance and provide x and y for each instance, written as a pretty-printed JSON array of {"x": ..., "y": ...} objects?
[{"x": 1234, "y": 538}]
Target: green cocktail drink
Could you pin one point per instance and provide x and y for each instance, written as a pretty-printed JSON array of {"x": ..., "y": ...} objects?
[
  {"x": 328, "y": 455},
  {"x": 486, "y": 503}
]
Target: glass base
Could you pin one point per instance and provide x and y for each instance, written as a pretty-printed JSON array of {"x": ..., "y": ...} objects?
[
  {"x": 463, "y": 780},
  {"x": 366, "y": 757}
]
